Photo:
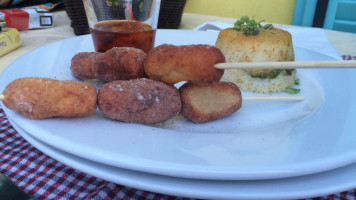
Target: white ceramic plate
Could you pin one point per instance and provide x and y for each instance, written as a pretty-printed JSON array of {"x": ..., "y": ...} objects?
[
  {"x": 330, "y": 182},
  {"x": 262, "y": 140}
]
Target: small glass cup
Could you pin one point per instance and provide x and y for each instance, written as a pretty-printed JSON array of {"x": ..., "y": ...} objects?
[{"x": 122, "y": 23}]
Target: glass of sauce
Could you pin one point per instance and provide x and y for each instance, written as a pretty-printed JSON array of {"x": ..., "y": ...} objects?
[{"x": 122, "y": 23}]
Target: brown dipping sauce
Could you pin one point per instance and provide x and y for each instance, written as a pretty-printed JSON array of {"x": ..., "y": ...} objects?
[{"x": 118, "y": 33}]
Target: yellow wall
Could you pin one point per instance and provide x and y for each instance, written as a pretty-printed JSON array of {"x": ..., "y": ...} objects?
[{"x": 275, "y": 11}]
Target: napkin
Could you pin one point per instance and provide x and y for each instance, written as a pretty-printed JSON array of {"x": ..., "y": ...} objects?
[{"x": 314, "y": 39}]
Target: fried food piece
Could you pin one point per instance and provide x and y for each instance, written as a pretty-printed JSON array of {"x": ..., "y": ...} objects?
[
  {"x": 40, "y": 98},
  {"x": 204, "y": 102},
  {"x": 119, "y": 63},
  {"x": 81, "y": 65},
  {"x": 139, "y": 100},
  {"x": 195, "y": 63}
]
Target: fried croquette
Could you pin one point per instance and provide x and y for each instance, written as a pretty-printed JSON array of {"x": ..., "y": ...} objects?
[
  {"x": 119, "y": 63},
  {"x": 195, "y": 63},
  {"x": 139, "y": 100},
  {"x": 204, "y": 102},
  {"x": 81, "y": 65},
  {"x": 39, "y": 98}
]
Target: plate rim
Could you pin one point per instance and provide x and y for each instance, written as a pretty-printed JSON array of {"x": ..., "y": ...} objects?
[
  {"x": 246, "y": 176},
  {"x": 176, "y": 191}
]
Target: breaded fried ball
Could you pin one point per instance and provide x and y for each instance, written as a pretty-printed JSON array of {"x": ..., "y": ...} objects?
[
  {"x": 81, "y": 65},
  {"x": 119, "y": 63},
  {"x": 139, "y": 100},
  {"x": 204, "y": 102},
  {"x": 39, "y": 98},
  {"x": 195, "y": 63}
]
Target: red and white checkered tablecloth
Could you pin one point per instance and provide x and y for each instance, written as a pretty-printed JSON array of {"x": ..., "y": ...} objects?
[
  {"x": 348, "y": 57},
  {"x": 42, "y": 177}
]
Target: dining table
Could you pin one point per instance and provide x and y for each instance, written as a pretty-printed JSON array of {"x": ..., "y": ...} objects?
[{"x": 42, "y": 176}]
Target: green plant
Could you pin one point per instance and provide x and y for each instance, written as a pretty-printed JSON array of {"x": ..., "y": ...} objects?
[{"x": 250, "y": 27}]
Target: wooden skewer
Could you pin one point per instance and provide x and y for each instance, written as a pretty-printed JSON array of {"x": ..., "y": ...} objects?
[
  {"x": 273, "y": 98},
  {"x": 252, "y": 98},
  {"x": 288, "y": 65}
]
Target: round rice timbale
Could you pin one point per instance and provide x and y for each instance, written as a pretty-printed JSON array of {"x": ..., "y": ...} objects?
[{"x": 268, "y": 46}]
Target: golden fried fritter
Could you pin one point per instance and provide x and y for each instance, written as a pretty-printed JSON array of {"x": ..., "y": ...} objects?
[
  {"x": 40, "y": 98},
  {"x": 119, "y": 63},
  {"x": 204, "y": 102},
  {"x": 81, "y": 65},
  {"x": 139, "y": 100},
  {"x": 195, "y": 63}
]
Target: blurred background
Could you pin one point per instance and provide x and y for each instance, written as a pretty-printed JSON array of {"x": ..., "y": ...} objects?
[
  {"x": 277, "y": 11},
  {"x": 330, "y": 14}
]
